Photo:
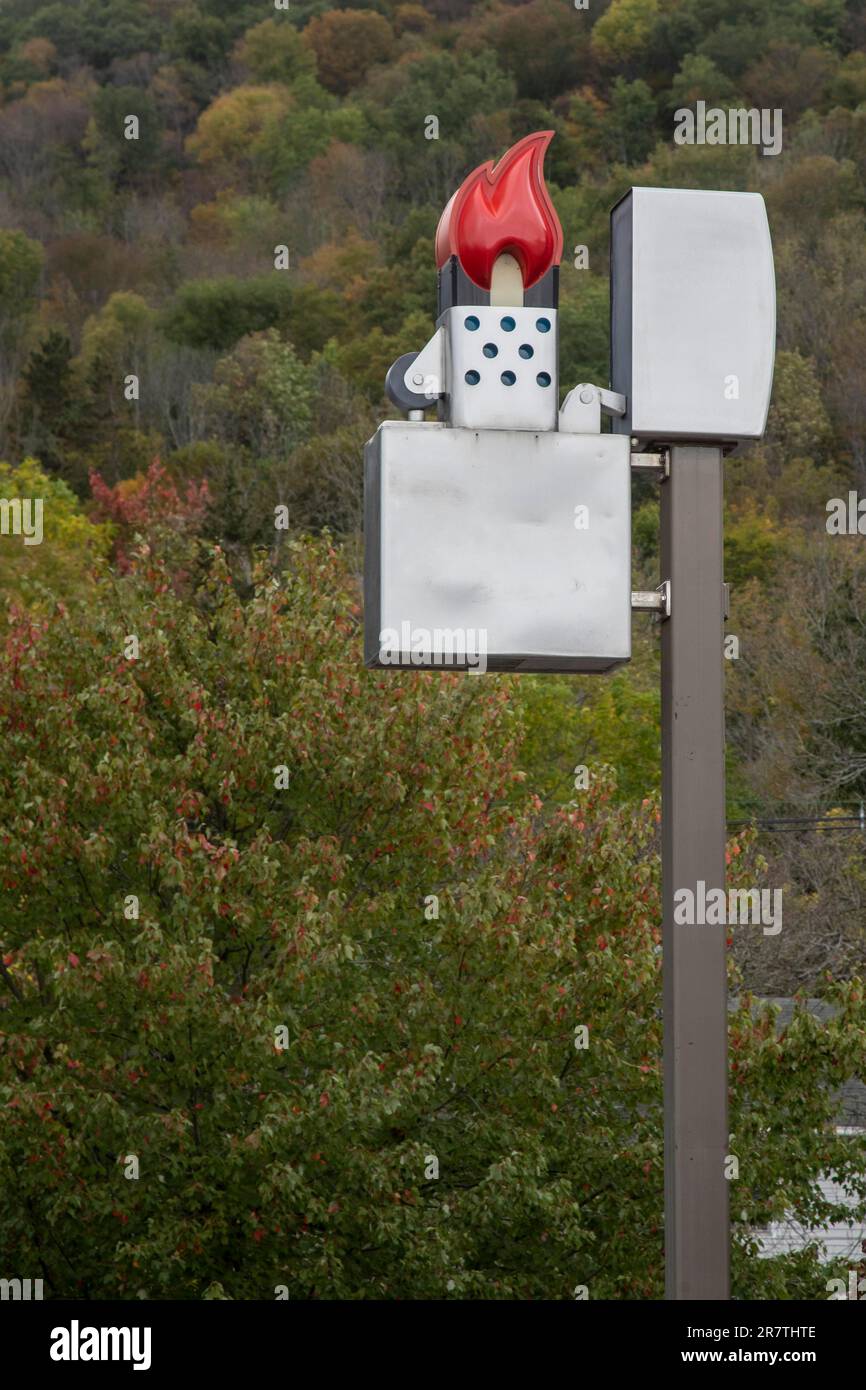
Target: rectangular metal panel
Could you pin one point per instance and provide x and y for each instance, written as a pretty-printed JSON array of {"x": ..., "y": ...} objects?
[
  {"x": 475, "y": 532},
  {"x": 501, "y": 369},
  {"x": 693, "y": 321}
]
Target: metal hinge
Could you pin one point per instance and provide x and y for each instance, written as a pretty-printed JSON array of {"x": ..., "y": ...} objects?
[
  {"x": 653, "y": 600},
  {"x": 582, "y": 409}
]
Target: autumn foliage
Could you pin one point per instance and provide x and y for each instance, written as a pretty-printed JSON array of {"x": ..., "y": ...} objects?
[
  {"x": 244, "y": 832},
  {"x": 146, "y": 505}
]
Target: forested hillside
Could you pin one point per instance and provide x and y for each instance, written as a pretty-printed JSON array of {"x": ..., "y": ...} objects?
[
  {"x": 308, "y": 129},
  {"x": 216, "y": 234}
]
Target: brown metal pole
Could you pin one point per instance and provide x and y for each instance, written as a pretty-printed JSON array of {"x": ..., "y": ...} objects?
[{"x": 697, "y": 1229}]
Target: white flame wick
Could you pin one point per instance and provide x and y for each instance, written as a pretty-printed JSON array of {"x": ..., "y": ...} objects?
[{"x": 506, "y": 282}]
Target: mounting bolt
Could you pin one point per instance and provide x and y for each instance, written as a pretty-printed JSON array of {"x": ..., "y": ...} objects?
[
  {"x": 656, "y": 601},
  {"x": 587, "y": 395}
]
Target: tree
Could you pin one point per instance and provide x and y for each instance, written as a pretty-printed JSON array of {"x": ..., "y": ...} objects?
[
  {"x": 149, "y": 506},
  {"x": 250, "y": 223},
  {"x": 97, "y": 31},
  {"x": 52, "y": 408},
  {"x": 798, "y": 424},
  {"x": 237, "y": 17},
  {"x": 111, "y": 150},
  {"x": 458, "y": 89},
  {"x": 412, "y": 19},
  {"x": 541, "y": 45},
  {"x": 349, "y": 185},
  {"x": 584, "y": 328},
  {"x": 365, "y": 361},
  {"x": 216, "y": 313},
  {"x": 469, "y": 95},
  {"x": 347, "y": 43},
  {"x": 63, "y": 562},
  {"x": 305, "y": 131},
  {"x": 796, "y": 711},
  {"x": 623, "y": 32},
  {"x": 21, "y": 260},
  {"x": 849, "y": 85},
  {"x": 295, "y": 966},
  {"x": 117, "y": 333},
  {"x": 790, "y": 78},
  {"x": 263, "y": 136},
  {"x": 813, "y": 192},
  {"x": 116, "y": 344},
  {"x": 825, "y": 902},
  {"x": 821, "y": 283},
  {"x": 198, "y": 38},
  {"x": 260, "y": 399},
  {"x": 322, "y": 486},
  {"x": 631, "y": 122},
  {"x": 275, "y": 52},
  {"x": 699, "y": 79},
  {"x": 227, "y": 136},
  {"x": 584, "y": 725},
  {"x": 40, "y": 136},
  {"x": 755, "y": 547},
  {"x": 40, "y": 54},
  {"x": 731, "y": 47}
]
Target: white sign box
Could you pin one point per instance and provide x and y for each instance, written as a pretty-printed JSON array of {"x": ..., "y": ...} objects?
[
  {"x": 504, "y": 550},
  {"x": 693, "y": 314}
]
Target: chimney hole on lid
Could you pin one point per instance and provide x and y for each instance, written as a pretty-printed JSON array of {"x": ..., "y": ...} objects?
[
  {"x": 472, "y": 378},
  {"x": 472, "y": 323},
  {"x": 543, "y": 325},
  {"x": 543, "y": 378},
  {"x": 508, "y": 323},
  {"x": 508, "y": 378},
  {"x": 490, "y": 350},
  {"x": 525, "y": 350}
]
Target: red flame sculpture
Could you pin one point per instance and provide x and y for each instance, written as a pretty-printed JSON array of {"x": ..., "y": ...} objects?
[{"x": 506, "y": 209}]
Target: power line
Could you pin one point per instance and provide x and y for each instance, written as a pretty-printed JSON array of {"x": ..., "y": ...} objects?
[{"x": 793, "y": 824}]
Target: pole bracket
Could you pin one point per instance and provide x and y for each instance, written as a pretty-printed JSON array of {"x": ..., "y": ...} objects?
[
  {"x": 653, "y": 600},
  {"x": 658, "y": 465}
]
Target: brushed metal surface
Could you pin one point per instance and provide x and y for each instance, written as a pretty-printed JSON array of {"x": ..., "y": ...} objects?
[
  {"x": 693, "y": 314},
  {"x": 475, "y": 532}
]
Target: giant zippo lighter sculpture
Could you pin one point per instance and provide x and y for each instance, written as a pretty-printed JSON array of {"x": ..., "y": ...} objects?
[{"x": 498, "y": 536}]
